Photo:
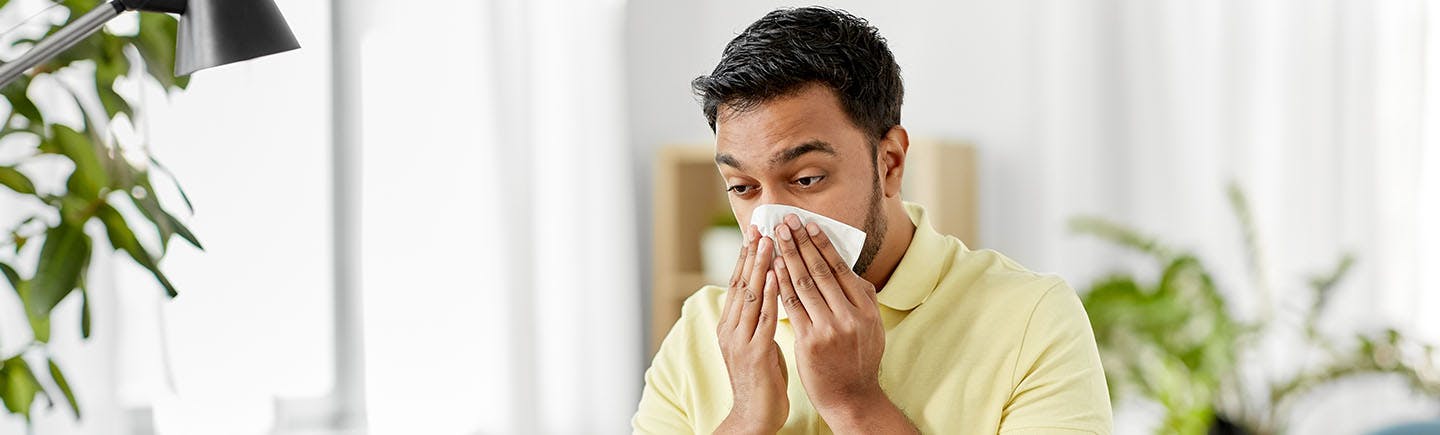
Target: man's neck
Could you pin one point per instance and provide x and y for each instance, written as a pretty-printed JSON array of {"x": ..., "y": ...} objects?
[{"x": 898, "y": 233}]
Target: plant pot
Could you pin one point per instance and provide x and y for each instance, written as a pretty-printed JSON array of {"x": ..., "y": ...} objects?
[
  {"x": 719, "y": 246},
  {"x": 1223, "y": 426}
]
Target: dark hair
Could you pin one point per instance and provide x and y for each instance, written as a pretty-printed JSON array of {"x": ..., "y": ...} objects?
[{"x": 790, "y": 48}]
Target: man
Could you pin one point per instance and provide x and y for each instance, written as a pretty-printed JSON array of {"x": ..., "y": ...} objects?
[{"x": 921, "y": 335}]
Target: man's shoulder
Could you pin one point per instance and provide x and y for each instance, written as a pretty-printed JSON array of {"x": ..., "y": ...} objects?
[
  {"x": 704, "y": 305},
  {"x": 1040, "y": 306},
  {"x": 692, "y": 335},
  {"x": 986, "y": 273}
]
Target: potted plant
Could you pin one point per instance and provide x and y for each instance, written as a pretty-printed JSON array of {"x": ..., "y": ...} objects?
[
  {"x": 718, "y": 246},
  {"x": 1174, "y": 340}
]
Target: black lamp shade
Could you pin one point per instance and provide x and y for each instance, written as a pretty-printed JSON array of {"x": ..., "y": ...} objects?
[{"x": 217, "y": 32}]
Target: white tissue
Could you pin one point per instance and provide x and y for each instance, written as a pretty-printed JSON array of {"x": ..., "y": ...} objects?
[{"x": 848, "y": 240}]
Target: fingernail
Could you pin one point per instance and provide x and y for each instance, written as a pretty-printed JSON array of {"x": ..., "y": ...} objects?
[
  {"x": 793, "y": 221},
  {"x": 783, "y": 232},
  {"x": 814, "y": 229}
]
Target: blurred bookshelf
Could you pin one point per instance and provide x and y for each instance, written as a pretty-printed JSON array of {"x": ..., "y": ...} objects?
[{"x": 689, "y": 193}]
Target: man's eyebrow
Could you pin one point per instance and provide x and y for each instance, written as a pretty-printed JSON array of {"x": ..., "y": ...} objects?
[
  {"x": 795, "y": 152},
  {"x": 784, "y": 156},
  {"x": 726, "y": 159}
]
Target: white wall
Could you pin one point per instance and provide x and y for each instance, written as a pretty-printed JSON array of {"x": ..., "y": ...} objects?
[{"x": 250, "y": 141}]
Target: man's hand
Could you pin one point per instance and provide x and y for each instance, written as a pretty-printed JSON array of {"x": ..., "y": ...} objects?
[
  {"x": 839, "y": 335},
  {"x": 758, "y": 376}
]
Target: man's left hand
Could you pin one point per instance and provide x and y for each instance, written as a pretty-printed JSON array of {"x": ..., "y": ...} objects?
[{"x": 839, "y": 334}]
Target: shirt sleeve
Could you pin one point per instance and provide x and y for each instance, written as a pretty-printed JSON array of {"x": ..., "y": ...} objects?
[
  {"x": 662, "y": 410},
  {"x": 1059, "y": 383}
]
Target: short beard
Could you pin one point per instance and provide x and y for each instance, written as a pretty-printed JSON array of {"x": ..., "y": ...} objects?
[{"x": 875, "y": 223}]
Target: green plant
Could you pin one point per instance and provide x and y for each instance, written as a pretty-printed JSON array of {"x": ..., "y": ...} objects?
[
  {"x": 724, "y": 218},
  {"x": 1175, "y": 340},
  {"x": 104, "y": 187}
]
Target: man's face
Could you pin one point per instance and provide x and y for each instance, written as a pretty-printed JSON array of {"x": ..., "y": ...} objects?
[{"x": 801, "y": 150}]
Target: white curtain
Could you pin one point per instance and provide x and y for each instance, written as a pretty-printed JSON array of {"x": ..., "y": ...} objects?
[
  {"x": 500, "y": 261},
  {"x": 1325, "y": 112}
]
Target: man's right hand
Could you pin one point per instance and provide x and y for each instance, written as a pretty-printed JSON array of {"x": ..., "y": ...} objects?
[{"x": 758, "y": 376}]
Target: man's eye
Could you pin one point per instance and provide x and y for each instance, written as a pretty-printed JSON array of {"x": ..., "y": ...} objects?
[
  {"x": 738, "y": 189},
  {"x": 809, "y": 181}
]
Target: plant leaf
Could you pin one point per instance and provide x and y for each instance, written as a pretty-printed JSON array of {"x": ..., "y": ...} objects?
[
  {"x": 62, "y": 259},
  {"x": 184, "y": 232},
  {"x": 174, "y": 181},
  {"x": 150, "y": 208},
  {"x": 16, "y": 181},
  {"x": 1120, "y": 235},
  {"x": 19, "y": 386},
  {"x": 84, "y": 311},
  {"x": 11, "y": 275},
  {"x": 110, "y": 65},
  {"x": 64, "y": 385},
  {"x": 123, "y": 238},
  {"x": 39, "y": 325},
  {"x": 20, "y": 102},
  {"x": 89, "y": 177},
  {"x": 165, "y": 223},
  {"x": 21, "y": 41},
  {"x": 1325, "y": 284},
  {"x": 156, "y": 43}
]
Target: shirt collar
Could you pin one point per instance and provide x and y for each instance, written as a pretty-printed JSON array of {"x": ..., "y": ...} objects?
[{"x": 919, "y": 270}]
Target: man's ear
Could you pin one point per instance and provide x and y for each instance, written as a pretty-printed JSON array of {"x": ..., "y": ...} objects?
[{"x": 891, "y": 160}]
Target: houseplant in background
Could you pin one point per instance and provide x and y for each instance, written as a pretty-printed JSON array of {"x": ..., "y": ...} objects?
[
  {"x": 110, "y": 190},
  {"x": 1175, "y": 340}
]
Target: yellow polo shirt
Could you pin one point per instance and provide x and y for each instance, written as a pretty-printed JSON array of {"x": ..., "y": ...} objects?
[{"x": 974, "y": 344}]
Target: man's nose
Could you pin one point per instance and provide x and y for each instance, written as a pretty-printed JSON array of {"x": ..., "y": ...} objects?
[{"x": 777, "y": 197}]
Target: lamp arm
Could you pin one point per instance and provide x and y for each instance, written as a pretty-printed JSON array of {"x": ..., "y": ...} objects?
[{"x": 61, "y": 40}]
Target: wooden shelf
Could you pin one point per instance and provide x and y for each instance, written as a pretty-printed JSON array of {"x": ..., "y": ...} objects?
[{"x": 689, "y": 193}]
